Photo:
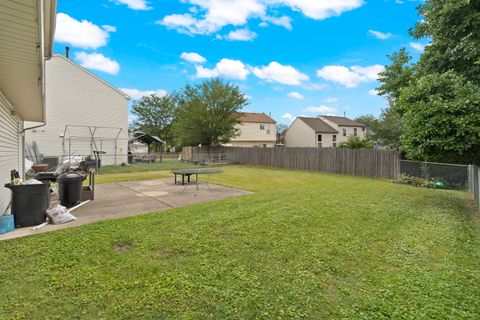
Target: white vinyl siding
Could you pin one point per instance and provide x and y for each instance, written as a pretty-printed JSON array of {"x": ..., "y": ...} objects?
[
  {"x": 255, "y": 134},
  {"x": 74, "y": 96},
  {"x": 10, "y": 149}
]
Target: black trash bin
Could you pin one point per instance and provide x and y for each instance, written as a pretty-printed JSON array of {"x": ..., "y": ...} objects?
[
  {"x": 29, "y": 203},
  {"x": 70, "y": 188}
]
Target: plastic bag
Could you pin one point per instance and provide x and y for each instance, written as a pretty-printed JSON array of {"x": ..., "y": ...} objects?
[{"x": 60, "y": 214}]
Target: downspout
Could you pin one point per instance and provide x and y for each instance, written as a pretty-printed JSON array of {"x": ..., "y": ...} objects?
[{"x": 41, "y": 81}]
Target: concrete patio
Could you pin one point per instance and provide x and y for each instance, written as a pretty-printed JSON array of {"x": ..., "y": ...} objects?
[{"x": 126, "y": 199}]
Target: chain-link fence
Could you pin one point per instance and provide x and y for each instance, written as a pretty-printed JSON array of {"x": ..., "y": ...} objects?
[
  {"x": 474, "y": 183},
  {"x": 453, "y": 176}
]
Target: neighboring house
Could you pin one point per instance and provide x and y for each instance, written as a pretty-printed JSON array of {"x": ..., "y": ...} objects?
[
  {"x": 84, "y": 113},
  {"x": 26, "y": 40},
  {"x": 255, "y": 130},
  {"x": 323, "y": 131}
]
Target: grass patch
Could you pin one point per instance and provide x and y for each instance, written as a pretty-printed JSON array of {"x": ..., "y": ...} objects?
[
  {"x": 305, "y": 245},
  {"x": 166, "y": 164}
]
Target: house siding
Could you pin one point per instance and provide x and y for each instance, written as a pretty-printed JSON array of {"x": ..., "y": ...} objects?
[
  {"x": 251, "y": 135},
  {"x": 299, "y": 134},
  {"x": 75, "y": 97},
  {"x": 361, "y": 132},
  {"x": 10, "y": 148}
]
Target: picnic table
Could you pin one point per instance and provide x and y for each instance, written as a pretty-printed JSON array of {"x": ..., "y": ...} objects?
[{"x": 193, "y": 172}]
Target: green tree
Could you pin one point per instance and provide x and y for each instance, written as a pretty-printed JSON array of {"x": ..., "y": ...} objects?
[
  {"x": 396, "y": 76},
  {"x": 442, "y": 119},
  {"x": 154, "y": 115},
  {"x": 356, "y": 143},
  {"x": 281, "y": 128},
  {"x": 453, "y": 28},
  {"x": 370, "y": 122},
  {"x": 207, "y": 113},
  {"x": 436, "y": 100}
]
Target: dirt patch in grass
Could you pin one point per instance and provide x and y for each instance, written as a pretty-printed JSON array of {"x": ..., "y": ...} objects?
[{"x": 122, "y": 247}]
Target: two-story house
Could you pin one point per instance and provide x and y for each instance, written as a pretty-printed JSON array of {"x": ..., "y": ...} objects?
[
  {"x": 255, "y": 130},
  {"x": 323, "y": 131}
]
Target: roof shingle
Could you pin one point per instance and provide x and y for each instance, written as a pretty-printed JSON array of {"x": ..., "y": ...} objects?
[
  {"x": 318, "y": 125},
  {"x": 255, "y": 117},
  {"x": 343, "y": 121}
]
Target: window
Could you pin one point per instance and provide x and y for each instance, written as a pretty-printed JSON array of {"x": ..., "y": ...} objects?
[
  {"x": 334, "y": 138},
  {"x": 319, "y": 140},
  {"x": 344, "y": 132},
  {"x": 268, "y": 131},
  {"x": 355, "y": 132},
  {"x": 264, "y": 145},
  {"x": 262, "y": 126}
]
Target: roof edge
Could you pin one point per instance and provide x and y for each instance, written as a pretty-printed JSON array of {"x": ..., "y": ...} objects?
[{"x": 126, "y": 96}]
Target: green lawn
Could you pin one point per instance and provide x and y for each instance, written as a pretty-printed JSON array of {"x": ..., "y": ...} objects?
[{"x": 305, "y": 245}]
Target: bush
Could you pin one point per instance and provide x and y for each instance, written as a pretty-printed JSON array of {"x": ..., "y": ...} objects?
[
  {"x": 356, "y": 143},
  {"x": 418, "y": 181}
]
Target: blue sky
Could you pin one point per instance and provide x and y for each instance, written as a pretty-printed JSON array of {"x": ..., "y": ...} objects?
[{"x": 291, "y": 57}]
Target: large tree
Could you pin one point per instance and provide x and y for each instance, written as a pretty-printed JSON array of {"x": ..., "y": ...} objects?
[
  {"x": 442, "y": 119},
  {"x": 208, "y": 113},
  {"x": 154, "y": 115},
  {"x": 437, "y": 99}
]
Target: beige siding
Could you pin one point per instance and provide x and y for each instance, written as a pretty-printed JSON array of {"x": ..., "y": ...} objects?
[
  {"x": 76, "y": 97},
  {"x": 361, "y": 133},
  {"x": 327, "y": 140},
  {"x": 252, "y": 135},
  {"x": 250, "y": 144},
  {"x": 10, "y": 148},
  {"x": 299, "y": 134}
]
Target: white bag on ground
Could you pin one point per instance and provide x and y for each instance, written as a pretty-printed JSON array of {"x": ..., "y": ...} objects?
[{"x": 60, "y": 214}]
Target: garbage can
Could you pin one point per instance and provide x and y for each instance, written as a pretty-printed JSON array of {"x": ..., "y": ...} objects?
[
  {"x": 29, "y": 203},
  {"x": 130, "y": 158},
  {"x": 70, "y": 188}
]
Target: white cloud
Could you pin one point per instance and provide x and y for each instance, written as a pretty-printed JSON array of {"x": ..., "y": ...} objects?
[
  {"x": 288, "y": 116},
  {"x": 192, "y": 57},
  {"x": 417, "y": 46},
  {"x": 373, "y": 92},
  {"x": 380, "y": 35},
  {"x": 138, "y": 94},
  {"x": 331, "y": 100},
  {"x": 226, "y": 68},
  {"x": 350, "y": 77},
  {"x": 275, "y": 72},
  {"x": 183, "y": 23},
  {"x": 109, "y": 28},
  {"x": 82, "y": 34},
  {"x": 241, "y": 35},
  {"x": 210, "y": 16},
  {"x": 322, "y": 109},
  {"x": 321, "y": 9},
  {"x": 97, "y": 61},
  {"x": 283, "y": 21},
  {"x": 135, "y": 4},
  {"x": 296, "y": 95}
]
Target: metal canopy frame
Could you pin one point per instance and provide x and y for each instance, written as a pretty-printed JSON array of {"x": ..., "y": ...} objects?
[{"x": 90, "y": 133}]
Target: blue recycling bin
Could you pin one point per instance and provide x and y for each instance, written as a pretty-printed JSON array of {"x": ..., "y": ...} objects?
[{"x": 7, "y": 223}]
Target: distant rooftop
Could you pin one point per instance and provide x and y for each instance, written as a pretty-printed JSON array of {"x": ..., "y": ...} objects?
[
  {"x": 343, "y": 121},
  {"x": 255, "y": 117},
  {"x": 318, "y": 125}
]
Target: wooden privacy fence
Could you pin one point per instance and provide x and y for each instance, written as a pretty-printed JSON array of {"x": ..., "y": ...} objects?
[{"x": 354, "y": 162}]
